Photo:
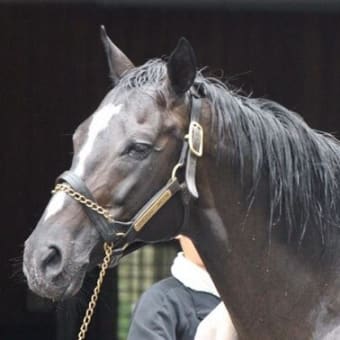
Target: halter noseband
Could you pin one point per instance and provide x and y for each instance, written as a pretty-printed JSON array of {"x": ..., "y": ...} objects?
[{"x": 123, "y": 233}]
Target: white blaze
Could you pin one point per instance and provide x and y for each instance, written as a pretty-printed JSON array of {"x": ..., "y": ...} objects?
[
  {"x": 99, "y": 122},
  {"x": 56, "y": 203}
]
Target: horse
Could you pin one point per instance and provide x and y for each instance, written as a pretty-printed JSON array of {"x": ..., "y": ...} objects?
[{"x": 171, "y": 151}]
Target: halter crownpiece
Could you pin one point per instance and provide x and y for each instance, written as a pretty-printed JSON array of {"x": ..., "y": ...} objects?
[{"x": 195, "y": 138}]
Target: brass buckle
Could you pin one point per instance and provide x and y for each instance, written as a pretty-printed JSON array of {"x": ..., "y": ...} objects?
[{"x": 195, "y": 138}]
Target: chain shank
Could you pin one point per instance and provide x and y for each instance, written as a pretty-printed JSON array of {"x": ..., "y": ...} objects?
[
  {"x": 108, "y": 248},
  {"x": 63, "y": 187}
]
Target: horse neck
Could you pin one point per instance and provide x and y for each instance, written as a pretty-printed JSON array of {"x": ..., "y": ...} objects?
[{"x": 270, "y": 288}]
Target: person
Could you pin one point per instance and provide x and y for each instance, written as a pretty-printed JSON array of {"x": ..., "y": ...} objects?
[{"x": 184, "y": 306}]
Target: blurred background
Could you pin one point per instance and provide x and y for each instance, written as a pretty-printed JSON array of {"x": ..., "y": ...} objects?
[{"x": 53, "y": 74}]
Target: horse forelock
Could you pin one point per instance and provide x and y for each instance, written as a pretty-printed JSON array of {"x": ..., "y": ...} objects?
[
  {"x": 149, "y": 78},
  {"x": 152, "y": 72}
]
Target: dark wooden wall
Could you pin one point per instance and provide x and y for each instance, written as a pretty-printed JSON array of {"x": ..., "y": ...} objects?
[{"x": 53, "y": 75}]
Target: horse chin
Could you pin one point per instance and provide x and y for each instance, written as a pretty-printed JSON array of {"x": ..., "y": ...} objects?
[
  {"x": 66, "y": 286},
  {"x": 74, "y": 287}
]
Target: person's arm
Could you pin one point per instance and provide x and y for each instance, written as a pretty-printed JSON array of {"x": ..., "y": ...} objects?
[{"x": 154, "y": 317}]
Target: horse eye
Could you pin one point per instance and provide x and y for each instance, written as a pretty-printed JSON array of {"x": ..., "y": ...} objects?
[{"x": 139, "y": 150}]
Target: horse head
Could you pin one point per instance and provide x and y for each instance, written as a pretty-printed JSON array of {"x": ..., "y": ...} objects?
[{"x": 124, "y": 154}]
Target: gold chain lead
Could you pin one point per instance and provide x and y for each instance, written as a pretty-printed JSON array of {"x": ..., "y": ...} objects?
[
  {"x": 83, "y": 200},
  {"x": 108, "y": 248}
]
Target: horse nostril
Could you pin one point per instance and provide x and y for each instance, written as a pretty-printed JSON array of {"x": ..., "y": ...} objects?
[{"x": 51, "y": 259}]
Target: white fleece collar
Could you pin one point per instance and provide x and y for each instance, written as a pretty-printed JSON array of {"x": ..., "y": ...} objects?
[{"x": 192, "y": 275}]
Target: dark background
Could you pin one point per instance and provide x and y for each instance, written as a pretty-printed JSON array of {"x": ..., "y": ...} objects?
[{"x": 53, "y": 74}]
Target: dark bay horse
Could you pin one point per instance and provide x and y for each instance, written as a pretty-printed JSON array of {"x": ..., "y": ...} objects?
[{"x": 170, "y": 151}]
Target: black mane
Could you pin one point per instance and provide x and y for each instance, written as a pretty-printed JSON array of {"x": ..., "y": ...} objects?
[{"x": 302, "y": 165}]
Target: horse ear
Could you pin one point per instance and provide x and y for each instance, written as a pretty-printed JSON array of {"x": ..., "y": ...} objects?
[
  {"x": 182, "y": 67},
  {"x": 118, "y": 61}
]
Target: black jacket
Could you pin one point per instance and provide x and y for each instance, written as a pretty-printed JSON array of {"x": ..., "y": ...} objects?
[{"x": 170, "y": 311}]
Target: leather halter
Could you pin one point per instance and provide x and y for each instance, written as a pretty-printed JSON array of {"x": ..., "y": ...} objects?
[{"x": 123, "y": 233}]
